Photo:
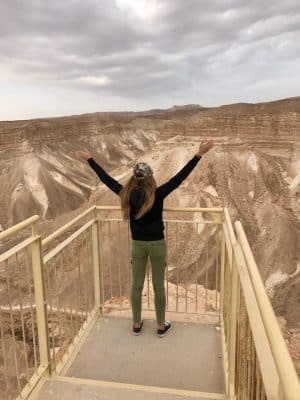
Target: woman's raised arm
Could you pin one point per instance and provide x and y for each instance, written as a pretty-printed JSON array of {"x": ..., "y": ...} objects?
[
  {"x": 109, "y": 181},
  {"x": 177, "y": 179}
]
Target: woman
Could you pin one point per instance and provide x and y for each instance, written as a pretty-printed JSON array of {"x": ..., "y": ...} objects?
[{"x": 142, "y": 204}]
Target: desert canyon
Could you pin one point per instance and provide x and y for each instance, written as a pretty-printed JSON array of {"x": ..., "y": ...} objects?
[{"x": 253, "y": 169}]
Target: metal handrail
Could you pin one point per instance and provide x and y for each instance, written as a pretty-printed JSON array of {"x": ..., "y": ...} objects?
[
  {"x": 239, "y": 254},
  {"x": 183, "y": 209},
  {"x": 18, "y": 227},
  {"x": 67, "y": 226},
  {"x": 288, "y": 377}
]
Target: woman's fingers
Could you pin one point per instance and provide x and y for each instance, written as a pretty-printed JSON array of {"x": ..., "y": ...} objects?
[
  {"x": 208, "y": 143},
  {"x": 205, "y": 146},
  {"x": 82, "y": 154}
]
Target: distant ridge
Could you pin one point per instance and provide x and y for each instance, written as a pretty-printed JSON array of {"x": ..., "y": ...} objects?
[{"x": 291, "y": 104}]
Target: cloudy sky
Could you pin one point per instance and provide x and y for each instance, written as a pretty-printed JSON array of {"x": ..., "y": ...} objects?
[{"x": 63, "y": 57}]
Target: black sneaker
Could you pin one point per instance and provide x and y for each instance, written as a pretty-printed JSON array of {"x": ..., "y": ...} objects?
[
  {"x": 163, "y": 332},
  {"x": 137, "y": 331}
]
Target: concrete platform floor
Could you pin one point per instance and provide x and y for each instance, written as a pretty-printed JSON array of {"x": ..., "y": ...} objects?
[
  {"x": 188, "y": 358},
  {"x": 113, "y": 364},
  {"x": 56, "y": 389}
]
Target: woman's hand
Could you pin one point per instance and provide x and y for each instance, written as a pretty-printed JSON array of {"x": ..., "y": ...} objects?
[
  {"x": 205, "y": 147},
  {"x": 85, "y": 155}
]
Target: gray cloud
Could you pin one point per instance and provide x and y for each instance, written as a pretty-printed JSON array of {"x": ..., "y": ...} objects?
[{"x": 161, "y": 50}]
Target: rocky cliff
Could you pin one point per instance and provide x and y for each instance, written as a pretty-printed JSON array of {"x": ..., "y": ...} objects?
[
  {"x": 254, "y": 170},
  {"x": 40, "y": 173}
]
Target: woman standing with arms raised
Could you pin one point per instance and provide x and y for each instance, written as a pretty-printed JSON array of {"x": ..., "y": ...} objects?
[{"x": 142, "y": 204}]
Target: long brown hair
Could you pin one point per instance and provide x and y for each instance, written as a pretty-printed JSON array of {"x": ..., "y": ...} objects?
[{"x": 148, "y": 184}]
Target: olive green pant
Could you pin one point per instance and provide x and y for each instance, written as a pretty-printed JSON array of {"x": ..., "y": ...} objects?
[{"x": 140, "y": 251}]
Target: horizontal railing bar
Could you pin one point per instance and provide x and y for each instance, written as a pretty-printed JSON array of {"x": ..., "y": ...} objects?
[
  {"x": 184, "y": 209},
  {"x": 18, "y": 247},
  {"x": 111, "y": 220},
  {"x": 195, "y": 209},
  {"x": 17, "y": 308},
  {"x": 69, "y": 310},
  {"x": 286, "y": 370},
  {"x": 168, "y": 220},
  {"x": 52, "y": 253},
  {"x": 28, "y": 307},
  {"x": 192, "y": 222},
  {"x": 125, "y": 308},
  {"x": 117, "y": 208},
  {"x": 21, "y": 225},
  {"x": 67, "y": 226}
]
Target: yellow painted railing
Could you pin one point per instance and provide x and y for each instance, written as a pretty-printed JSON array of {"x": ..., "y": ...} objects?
[
  {"x": 192, "y": 245},
  {"x": 258, "y": 364},
  {"x": 57, "y": 286}
]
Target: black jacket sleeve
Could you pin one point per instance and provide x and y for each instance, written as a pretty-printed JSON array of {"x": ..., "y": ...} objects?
[
  {"x": 110, "y": 182},
  {"x": 165, "y": 189}
]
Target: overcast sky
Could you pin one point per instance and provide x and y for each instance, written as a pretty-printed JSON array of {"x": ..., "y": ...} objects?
[{"x": 63, "y": 57}]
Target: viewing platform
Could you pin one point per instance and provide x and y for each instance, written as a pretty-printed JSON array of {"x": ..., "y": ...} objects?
[
  {"x": 112, "y": 363},
  {"x": 65, "y": 322}
]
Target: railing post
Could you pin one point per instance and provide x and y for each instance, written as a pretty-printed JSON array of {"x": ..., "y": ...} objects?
[
  {"x": 96, "y": 260},
  {"x": 34, "y": 228},
  {"x": 232, "y": 337},
  {"x": 40, "y": 301},
  {"x": 222, "y": 273}
]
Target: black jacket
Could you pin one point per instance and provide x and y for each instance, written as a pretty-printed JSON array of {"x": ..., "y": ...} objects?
[{"x": 150, "y": 226}]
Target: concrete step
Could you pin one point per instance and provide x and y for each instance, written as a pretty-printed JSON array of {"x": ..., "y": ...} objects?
[{"x": 66, "y": 388}]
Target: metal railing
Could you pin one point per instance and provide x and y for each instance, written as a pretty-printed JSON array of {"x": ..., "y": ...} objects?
[
  {"x": 20, "y": 312},
  {"x": 258, "y": 365},
  {"x": 56, "y": 287},
  {"x": 69, "y": 289},
  {"x": 192, "y": 268},
  {"x": 50, "y": 299}
]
